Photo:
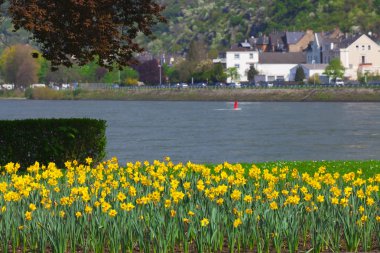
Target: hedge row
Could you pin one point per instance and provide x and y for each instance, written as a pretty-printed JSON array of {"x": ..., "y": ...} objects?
[{"x": 51, "y": 140}]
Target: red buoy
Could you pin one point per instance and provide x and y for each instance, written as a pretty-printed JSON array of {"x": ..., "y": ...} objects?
[{"x": 236, "y": 105}]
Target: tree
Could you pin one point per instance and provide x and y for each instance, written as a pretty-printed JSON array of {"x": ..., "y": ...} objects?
[
  {"x": 314, "y": 79},
  {"x": 182, "y": 72},
  {"x": 203, "y": 71},
  {"x": 197, "y": 51},
  {"x": 18, "y": 66},
  {"x": 233, "y": 73},
  {"x": 100, "y": 72},
  {"x": 149, "y": 72},
  {"x": 70, "y": 32},
  {"x": 251, "y": 73},
  {"x": 218, "y": 74},
  {"x": 300, "y": 74},
  {"x": 62, "y": 75},
  {"x": 334, "y": 69}
]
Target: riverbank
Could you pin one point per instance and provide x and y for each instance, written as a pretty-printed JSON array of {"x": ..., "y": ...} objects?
[{"x": 249, "y": 95}]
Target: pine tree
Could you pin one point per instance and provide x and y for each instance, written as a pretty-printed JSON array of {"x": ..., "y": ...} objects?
[
  {"x": 300, "y": 74},
  {"x": 251, "y": 73}
]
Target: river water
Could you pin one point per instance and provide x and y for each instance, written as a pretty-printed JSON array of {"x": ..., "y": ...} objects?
[{"x": 214, "y": 132}]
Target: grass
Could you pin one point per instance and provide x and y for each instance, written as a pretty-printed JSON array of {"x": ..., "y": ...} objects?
[
  {"x": 209, "y": 94},
  {"x": 369, "y": 168}
]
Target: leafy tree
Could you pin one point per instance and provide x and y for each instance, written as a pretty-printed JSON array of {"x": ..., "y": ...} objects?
[
  {"x": 18, "y": 66},
  {"x": 334, "y": 69},
  {"x": 182, "y": 72},
  {"x": 62, "y": 75},
  {"x": 203, "y": 71},
  {"x": 251, "y": 73},
  {"x": 314, "y": 79},
  {"x": 197, "y": 51},
  {"x": 44, "y": 67},
  {"x": 300, "y": 74},
  {"x": 218, "y": 75},
  {"x": 27, "y": 72},
  {"x": 168, "y": 71},
  {"x": 100, "y": 72},
  {"x": 126, "y": 76},
  {"x": 71, "y": 32},
  {"x": 233, "y": 73},
  {"x": 149, "y": 72}
]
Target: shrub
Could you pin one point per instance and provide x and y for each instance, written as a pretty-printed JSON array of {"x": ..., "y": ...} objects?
[{"x": 51, "y": 140}]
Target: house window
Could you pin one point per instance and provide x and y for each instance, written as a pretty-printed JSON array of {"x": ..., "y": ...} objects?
[
  {"x": 363, "y": 47},
  {"x": 369, "y": 47},
  {"x": 363, "y": 59},
  {"x": 250, "y": 55},
  {"x": 357, "y": 47},
  {"x": 350, "y": 66},
  {"x": 271, "y": 78},
  {"x": 237, "y": 66},
  {"x": 237, "y": 56},
  {"x": 280, "y": 78}
]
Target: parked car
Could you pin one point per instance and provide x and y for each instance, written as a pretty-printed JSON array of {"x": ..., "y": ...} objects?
[
  {"x": 338, "y": 82},
  {"x": 180, "y": 85},
  {"x": 373, "y": 82},
  {"x": 38, "y": 85},
  {"x": 201, "y": 85},
  {"x": 8, "y": 86},
  {"x": 65, "y": 86},
  {"x": 234, "y": 85},
  {"x": 219, "y": 84}
]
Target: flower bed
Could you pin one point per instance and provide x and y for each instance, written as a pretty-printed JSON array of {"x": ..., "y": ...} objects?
[{"x": 162, "y": 206}]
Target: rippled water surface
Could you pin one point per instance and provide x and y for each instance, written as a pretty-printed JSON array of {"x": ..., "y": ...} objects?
[{"x": 214, "y": 132}]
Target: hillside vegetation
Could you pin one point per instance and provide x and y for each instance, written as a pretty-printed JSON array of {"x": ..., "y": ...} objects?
[{"x": 221, "y": 23}]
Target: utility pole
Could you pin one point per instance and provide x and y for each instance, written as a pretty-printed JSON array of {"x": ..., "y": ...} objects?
[
  {"x": 159, "y": 67},
  {"x": 314, "y": 70}
]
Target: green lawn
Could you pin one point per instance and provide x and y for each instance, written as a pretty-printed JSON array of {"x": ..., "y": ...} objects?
[{"x": 369, "y": 168}]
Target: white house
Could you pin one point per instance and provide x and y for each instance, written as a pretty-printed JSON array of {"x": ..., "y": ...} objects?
[
  {"x": 279, "y": 65},
  {"x": 359, "y": 54},
  {"x": 272, "y": 72},
  {"x": 241, "y": 58},
  {"x": 313, "y": 69}
]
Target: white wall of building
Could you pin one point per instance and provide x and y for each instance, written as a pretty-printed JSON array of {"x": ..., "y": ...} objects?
[
  {"x": 277, "y": 71},
  {"x": 242, "y": 60},
  {"x": 310, "y": 72},
  {"x": 362, "y": 55}
]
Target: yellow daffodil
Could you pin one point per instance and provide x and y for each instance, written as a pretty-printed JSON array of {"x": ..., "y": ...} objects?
[{"x": 204, "y": 222}]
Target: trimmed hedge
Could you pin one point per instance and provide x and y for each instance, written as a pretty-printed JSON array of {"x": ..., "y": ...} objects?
[{"x": 51, "y": 140}]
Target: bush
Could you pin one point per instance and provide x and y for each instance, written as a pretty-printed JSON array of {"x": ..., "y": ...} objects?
[{"x": 51, "y": 140}]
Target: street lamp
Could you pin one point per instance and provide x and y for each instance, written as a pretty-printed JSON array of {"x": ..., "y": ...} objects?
[{"x": 314, "y": 70}]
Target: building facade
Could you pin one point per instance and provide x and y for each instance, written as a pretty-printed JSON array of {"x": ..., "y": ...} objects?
[
  {"x": 360, "y": 55},
  {"x": 241, "y": 58}
]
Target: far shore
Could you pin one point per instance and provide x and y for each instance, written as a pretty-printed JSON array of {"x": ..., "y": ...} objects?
[{"x": 341, "y": 94}]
